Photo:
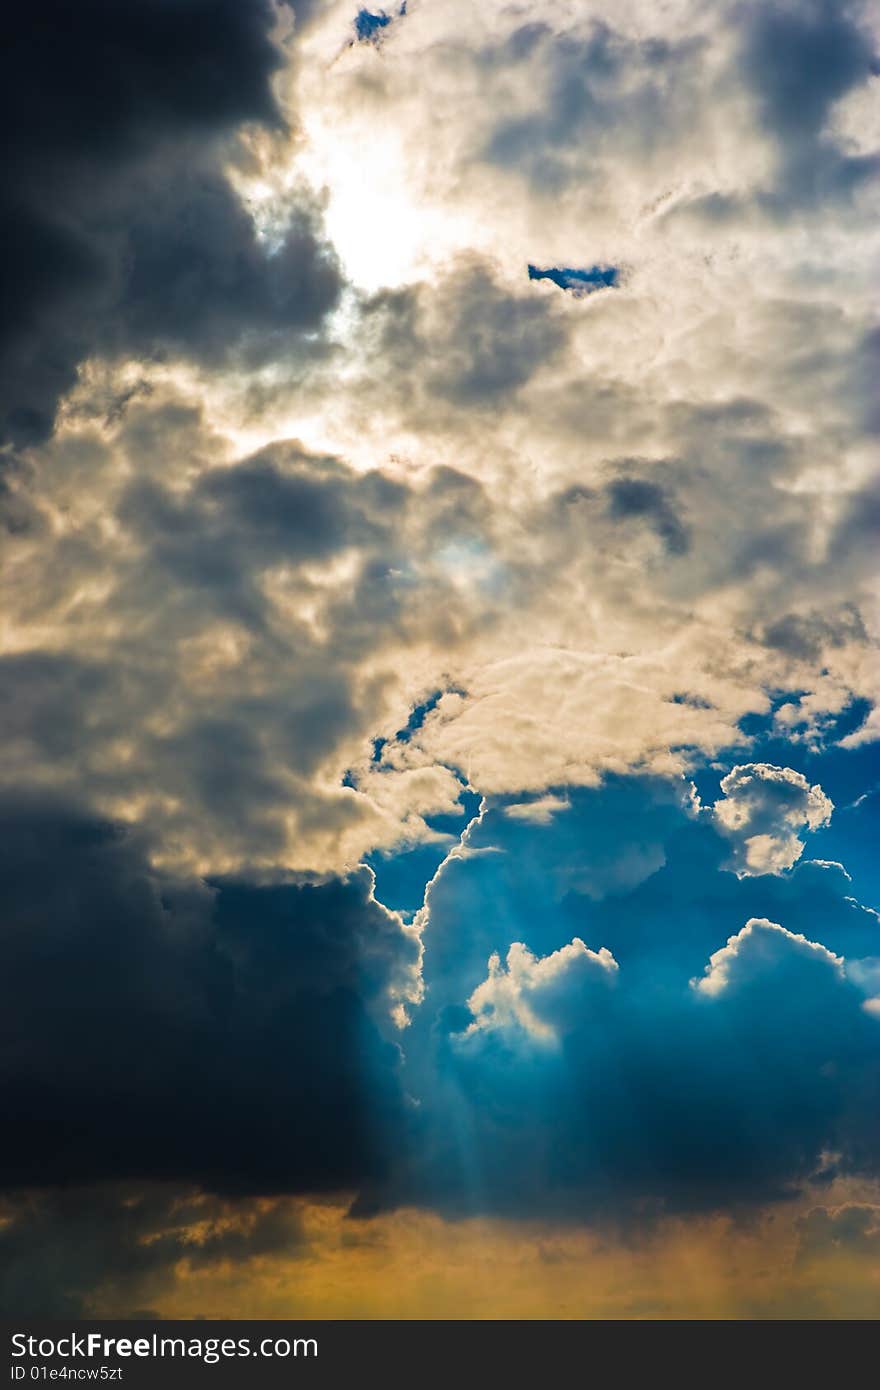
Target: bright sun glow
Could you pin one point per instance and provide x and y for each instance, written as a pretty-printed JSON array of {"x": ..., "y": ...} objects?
[{"x": 383, "y": 236}]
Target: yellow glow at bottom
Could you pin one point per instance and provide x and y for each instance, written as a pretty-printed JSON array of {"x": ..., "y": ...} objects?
[{"x": 415, "y": 1265}]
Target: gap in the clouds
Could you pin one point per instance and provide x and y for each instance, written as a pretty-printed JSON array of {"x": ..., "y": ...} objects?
[
  {"x": 417, "y": 717},
  {"x": 578, "y": 281},
  {"x": 415, "y": 721},
  {"x": 368, "y": 26},
  {"x": 402, "y": 874}
]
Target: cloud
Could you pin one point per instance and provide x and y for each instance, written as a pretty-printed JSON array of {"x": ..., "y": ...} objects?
[
  {"x": 571, "y": 1097},
  {"x": 613, "y": 1052},
  {"x": 238, "y": 623},
  {"x": 637, "y": 497},
  {"x": 234, "y": 1037},
  {"x": 584, "y": 79},
  {"x": 512, "y": 878},
  {"x": 527, "y": 993},
  {"x": 469, "y": 340},
  {"x": 244, "y": 1037},
  {"x": 123, "y": 233},
  {"x": 656, "y": 503},
  {"x": 326, "y": 518},
  {"x": 541, "y": 810},
  {"x": 62, "y": 1252},
  {"x": 851, "y": 1230},
  {"x": 756, "y": 948},
  {"x": 761, "y": 811},
  {"x": 283, "y": 1259},
  {"x": 637, "y": 865},
  {"x": 800, "y": 59}
]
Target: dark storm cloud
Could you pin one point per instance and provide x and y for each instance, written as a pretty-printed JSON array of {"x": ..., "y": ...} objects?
[
  {"x": 121, "y": 233},
  {"x": 803, "y": 57},
  {"x": 221, "y": 642},
  {"x": 207, "y": 550},
  {"x": 19, "y": 514},
  {"x": 58, "y": 1247},
  {"x": 865, "y": 375},
  {"x": 48, "y": 698},
  {"x": 195, "y": 280},
  {"x": 225, "y": 1036},
  {"x": 222, "y": 1036}
]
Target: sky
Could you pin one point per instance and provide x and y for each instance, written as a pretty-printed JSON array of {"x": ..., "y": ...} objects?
[{"x": 439, "y": 510}]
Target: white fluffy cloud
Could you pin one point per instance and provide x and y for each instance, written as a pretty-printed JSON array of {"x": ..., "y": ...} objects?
[
  {"x": 757, "y": 949},
  {"x": 531, "y": 994},
  {"x": 763, "y": 811}
]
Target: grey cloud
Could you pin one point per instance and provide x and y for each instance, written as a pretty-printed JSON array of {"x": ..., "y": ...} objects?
[
  {"x": 854, "y": 538},
  {"x": 591, "y": 107},
  {"x": 799, "y": 59},
  {"x": 122, "y": 232},
  {"x": 641, "y": 498},
  {"x": 216, "y": 662},
  {"x": 192, "y": 278},
  {"x": 805, "y": 635},
  {"x": 802, "y": 57},
  {"x": 465, "y": 338},
  {"x": 850, "y": 1230},
  {"x": 59, "y": 1248}
]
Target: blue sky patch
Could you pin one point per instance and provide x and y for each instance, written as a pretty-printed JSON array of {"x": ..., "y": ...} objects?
[{"x": 579, "y": 282}]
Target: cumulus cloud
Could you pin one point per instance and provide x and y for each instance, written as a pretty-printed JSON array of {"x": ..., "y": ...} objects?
[
  {"x": 530, "y": 993},
  {"x": 616, "y": 1050},
  {"x": 761, "y": 812},
  {"x": 760, "y": 945},
  {"x": 725, "y": 1093}
]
